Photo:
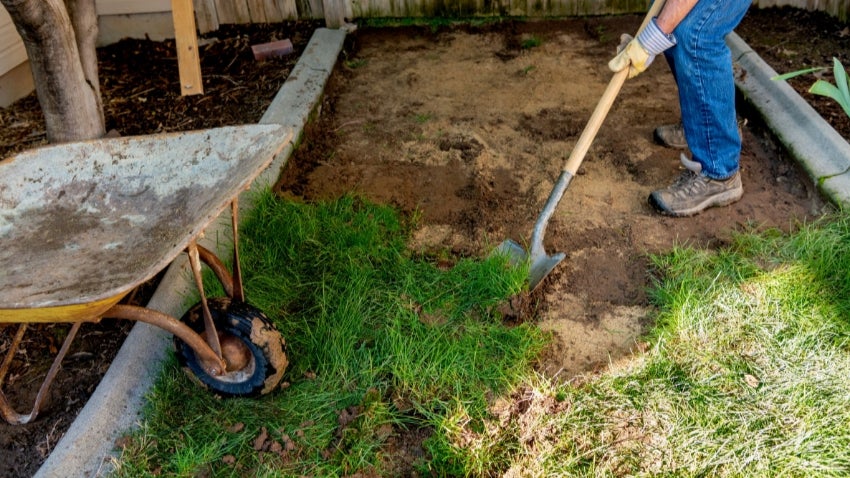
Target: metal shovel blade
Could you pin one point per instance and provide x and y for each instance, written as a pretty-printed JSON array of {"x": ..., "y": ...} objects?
[{"x": 540, "y": 263}]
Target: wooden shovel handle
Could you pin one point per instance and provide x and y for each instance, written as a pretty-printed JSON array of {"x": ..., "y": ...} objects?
[{"x": 604, "y": 105}]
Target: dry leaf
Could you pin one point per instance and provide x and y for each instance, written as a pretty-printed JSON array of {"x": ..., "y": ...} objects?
[
  {"x": 276, "y": 447},
  {"x": 260, "y": 441},
  {"x": 123, "y": 442}
]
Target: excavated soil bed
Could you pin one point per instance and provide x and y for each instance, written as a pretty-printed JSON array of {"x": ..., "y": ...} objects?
[{"x": 469, "y": 129}]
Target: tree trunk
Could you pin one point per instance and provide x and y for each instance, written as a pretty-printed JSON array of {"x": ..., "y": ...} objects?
[{"x": 71, "y": 104}]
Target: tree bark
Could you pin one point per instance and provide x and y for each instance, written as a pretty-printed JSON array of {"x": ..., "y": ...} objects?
[
  {"x": 71, "y": 104},
  {"x": 84, "y": 23}
]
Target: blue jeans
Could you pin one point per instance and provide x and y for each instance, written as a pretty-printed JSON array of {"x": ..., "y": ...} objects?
[{"x": 702, "y": 66}]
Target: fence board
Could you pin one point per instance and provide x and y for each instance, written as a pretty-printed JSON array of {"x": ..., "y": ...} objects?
[
  {"x": 273, "y": 14},
  {"x": 233, "y": 11},
  {"x": 211, "y": 13},
  {"x": 206, "y": 15},
  {"x": 257, "y": 11},
  {"x": 288, "y": 9},
  {"x": 836, "y": 8}
]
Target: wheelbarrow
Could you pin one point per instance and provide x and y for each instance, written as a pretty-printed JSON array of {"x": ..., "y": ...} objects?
[{"x": 83, "y": 224}]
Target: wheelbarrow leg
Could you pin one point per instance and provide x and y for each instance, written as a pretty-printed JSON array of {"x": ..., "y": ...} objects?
[
  {"x": 232, "y": 283},
  {"x": 16, "y": 342},
  {"x": 9, "y": 414},
  {"x": 219, "y": 269},
  {"x": 238, "y": 292},
  {"x": 209, "y": 326}
]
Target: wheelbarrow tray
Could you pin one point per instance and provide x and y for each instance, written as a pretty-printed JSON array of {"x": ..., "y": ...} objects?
[{"x": 85, "y": 223}]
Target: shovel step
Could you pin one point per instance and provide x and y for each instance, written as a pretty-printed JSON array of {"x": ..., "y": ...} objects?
[
  {"x": 540, "y": 265},
  {"x": 514, "y": 252}
]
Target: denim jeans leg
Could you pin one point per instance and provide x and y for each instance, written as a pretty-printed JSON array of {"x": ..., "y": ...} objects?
[{"x": 702, "y": 67}]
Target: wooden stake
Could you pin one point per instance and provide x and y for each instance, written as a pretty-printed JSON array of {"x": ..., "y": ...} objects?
[{"x": 186, "y": 37}]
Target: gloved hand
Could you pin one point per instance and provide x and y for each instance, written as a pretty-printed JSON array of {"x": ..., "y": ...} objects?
[{"x": 637, "y": 53}]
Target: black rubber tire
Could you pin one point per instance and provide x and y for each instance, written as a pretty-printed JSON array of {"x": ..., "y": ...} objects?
[{"x": 252, "y": 328}]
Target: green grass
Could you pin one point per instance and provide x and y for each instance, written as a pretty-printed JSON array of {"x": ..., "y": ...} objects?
[
  {"x": 531, "y": 42},
  {"x": 744, "y": 373},
  {"x": 367, "y": 325}
]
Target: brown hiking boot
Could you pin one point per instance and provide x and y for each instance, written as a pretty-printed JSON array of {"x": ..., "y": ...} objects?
[
  {"x": 692, "y": 192},
  {"x": 671, "y": 135}
]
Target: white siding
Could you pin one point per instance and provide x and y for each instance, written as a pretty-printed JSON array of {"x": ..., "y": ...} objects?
[
  {"x": 12, "y": 52},
  {"x": 125, "y": 7}
]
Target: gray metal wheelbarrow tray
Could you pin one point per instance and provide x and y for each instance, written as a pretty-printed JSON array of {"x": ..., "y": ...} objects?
[{"x": 83, "y": 224}]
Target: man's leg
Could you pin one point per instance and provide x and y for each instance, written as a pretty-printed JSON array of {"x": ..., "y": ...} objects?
[{"x": 702, "y": 66}]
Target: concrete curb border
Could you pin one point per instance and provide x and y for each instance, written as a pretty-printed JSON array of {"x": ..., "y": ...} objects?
[
  {"x": 819, "y": 149},
  {"x": 115, "y": 406}
]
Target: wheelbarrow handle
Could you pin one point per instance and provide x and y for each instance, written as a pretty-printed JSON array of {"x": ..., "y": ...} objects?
[{"x": 604, "y": 105}]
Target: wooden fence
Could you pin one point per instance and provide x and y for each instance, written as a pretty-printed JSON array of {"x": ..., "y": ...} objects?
[
  {"x": 836, "y": 8},
  {"x": 212, "y": 13}
]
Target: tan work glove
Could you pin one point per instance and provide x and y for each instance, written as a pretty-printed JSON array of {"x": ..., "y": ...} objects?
[{"x": 637, "y": 54}]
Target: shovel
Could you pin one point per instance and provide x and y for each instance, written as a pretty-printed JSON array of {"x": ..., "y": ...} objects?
[{"x": 541, "y": 263}]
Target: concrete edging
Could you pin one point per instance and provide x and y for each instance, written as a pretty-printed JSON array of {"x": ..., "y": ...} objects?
[
  {"x": 115, "y": 405},
  {"x": 819, "y": 149}
]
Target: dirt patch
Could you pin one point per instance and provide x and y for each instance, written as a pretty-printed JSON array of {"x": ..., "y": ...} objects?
[{"x": 470, "y": 129}]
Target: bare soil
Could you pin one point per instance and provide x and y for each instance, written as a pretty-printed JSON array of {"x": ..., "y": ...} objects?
[{"x": 468, "y": 128}]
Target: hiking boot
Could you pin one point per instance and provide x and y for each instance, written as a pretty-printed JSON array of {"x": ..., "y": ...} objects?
[
  {"x": 693, "y": 192},
  {"x": 671, "y": 135}
]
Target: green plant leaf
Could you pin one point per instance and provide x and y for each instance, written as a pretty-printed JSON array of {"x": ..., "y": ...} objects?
[
  {"x": 841, "y": 81},
  {"x": 825, "y": 88},
  {"x": 794, "y": 74}
]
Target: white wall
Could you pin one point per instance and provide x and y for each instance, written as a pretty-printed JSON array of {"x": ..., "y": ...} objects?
[
  {"x": 118, "y": 19},
  {"x": 12, "y": 52},
  {"x": 123, "y": 7}
]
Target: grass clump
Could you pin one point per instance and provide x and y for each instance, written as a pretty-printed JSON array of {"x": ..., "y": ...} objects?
[
  {"x": 745, "y": 373},
  {"x": 378, "y": 342}
]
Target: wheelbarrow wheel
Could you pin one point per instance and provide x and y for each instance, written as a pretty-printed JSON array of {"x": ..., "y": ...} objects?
[{"x": 252, "y": 348}]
